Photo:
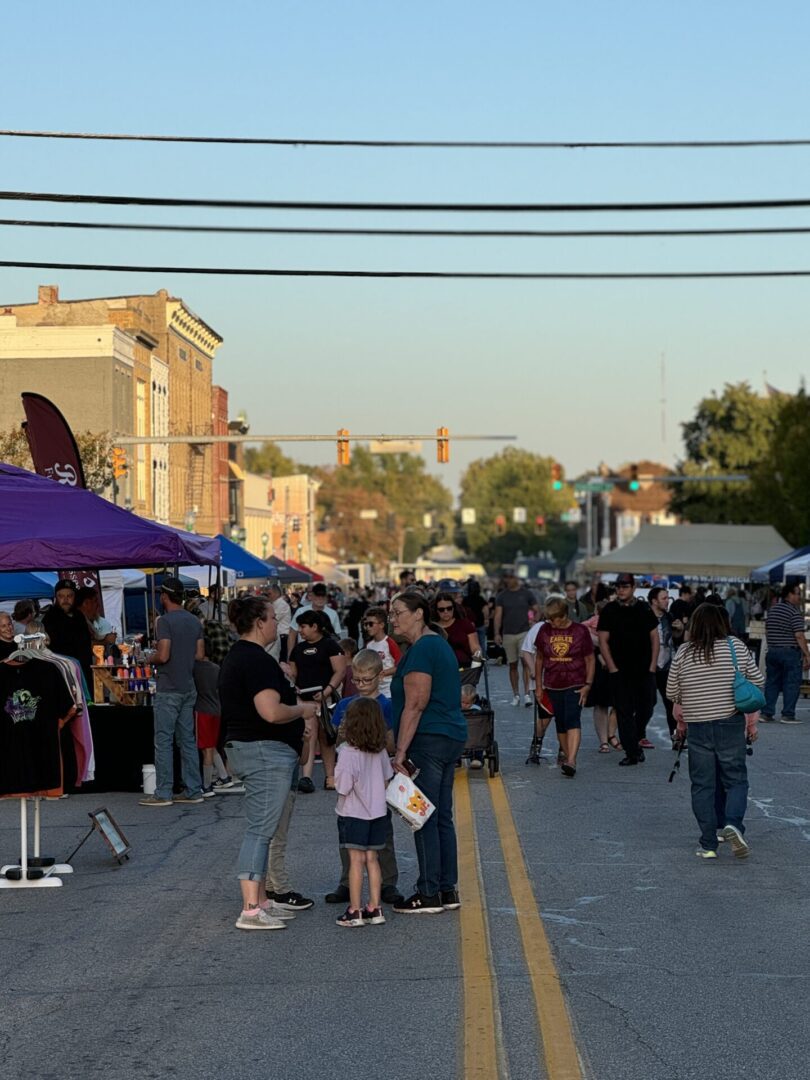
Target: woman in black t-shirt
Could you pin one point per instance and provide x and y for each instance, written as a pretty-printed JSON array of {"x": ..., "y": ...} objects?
[
  {"x": 317, "y": 667},
  {"x": 266, "y": 728}
]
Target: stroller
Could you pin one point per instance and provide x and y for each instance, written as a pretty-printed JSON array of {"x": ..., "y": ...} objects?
[{"x": 481, "y": 741}]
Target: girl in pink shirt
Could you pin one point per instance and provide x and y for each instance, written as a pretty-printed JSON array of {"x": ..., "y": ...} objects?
[{"x": 361, "y": 775}]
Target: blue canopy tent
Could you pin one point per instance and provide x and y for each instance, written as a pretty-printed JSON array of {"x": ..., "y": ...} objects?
[
  {"x": 287, "y": 574},
  {"x": 773, "y": 572},
  {"x": 22, "y": 586}
]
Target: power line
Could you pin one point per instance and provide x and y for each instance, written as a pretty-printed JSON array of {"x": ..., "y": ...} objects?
[
  {"x": 432, "y": 274},
  {"x": 423, "y": 144},
  {"x": 358, "y": 207},
  {"x": 463, "y": 233}
]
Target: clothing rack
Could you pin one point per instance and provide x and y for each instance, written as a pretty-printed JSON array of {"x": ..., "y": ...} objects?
[{"x": 32, "y": 872}]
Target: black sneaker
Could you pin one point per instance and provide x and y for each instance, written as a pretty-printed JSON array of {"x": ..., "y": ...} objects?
[
  {"x": 351, "y": 918},
  {"x": 449, "y": 899},
  {"x": 641, "y": 756},
  {"x": 629, "y": 761},
  {"x": 291, "y": 901},
  {"x": 420, "y": 905},
  {"x": 391, "y": 895},
  {"x": 373, "y": 916},
  {"x": 305, "y": 786},
  {"x": 339, "y": 896}
]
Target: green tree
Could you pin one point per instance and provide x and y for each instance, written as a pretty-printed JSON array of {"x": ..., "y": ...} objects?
[
  {"x": 409, "y": 491},
  {"x": 729, "y": 433},
  {"x": 94, "y": 451},
  {"x": 782, "y": 478},
  {"x": 269, "y": 460},
  {"x": 495, "y": 486}
]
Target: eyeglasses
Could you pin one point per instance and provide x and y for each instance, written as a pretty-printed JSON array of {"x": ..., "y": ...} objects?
[
  {"x": 444, "y": 607},
  {"x": 360, "y": 680},
  {"x": 394, "y": 614}
]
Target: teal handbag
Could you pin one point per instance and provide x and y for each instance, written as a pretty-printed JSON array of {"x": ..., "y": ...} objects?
[{"x": 747, "y": 697}]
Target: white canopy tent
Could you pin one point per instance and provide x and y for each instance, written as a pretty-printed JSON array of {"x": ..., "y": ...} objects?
[{"x": 714, "y": 552}]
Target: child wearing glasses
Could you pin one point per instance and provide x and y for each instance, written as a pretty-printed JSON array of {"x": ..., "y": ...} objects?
[
  {"x": 367, "y": 667},
  {"x": 377, "y": 639}
]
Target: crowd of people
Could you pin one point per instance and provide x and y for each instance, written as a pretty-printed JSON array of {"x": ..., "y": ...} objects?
[{"x": 254, "y": 695}]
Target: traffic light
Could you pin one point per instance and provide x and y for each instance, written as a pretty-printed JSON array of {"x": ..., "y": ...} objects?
[
  {"x": 442, "y": 445},
  {"x": 634, "y": 484},
  {"x": 500, "y": 524},
  {"x": 119, "y": 462},
  {"x": 556, "y": 476},
  {"x": 344, "y": 453},
  {"x": 539, "y": 525}
]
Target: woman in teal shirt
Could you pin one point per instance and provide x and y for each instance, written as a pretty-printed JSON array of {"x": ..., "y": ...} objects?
[{"x": 431, "y": 731}]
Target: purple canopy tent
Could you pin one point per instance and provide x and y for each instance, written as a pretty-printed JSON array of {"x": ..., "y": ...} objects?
[{"x": 45, "y": 526}]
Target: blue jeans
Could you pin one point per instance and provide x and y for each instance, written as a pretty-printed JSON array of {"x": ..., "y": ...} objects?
[
  {"x": 783, "y": 674},
  {"x": 174, "y": 719},
  {"x": 436, "y": 850},
  {"x": 716, "y": 769},
  {"x": 267, "y": 768}
]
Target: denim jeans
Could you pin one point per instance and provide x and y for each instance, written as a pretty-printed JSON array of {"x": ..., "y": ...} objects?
[
  {"x": 436, "y": 850},
  {"x": 266, "y": 767},
  {"x": 716, "y": 769},
  {"x": 387, "y": 857},
  {"x": 174, "y": 719},
  {"x": 783, "y": 674}
]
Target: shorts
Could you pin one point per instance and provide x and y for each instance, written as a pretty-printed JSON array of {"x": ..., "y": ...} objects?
[
  {"x": 511, "y": 646},
  {"x": 362, "y": 835},
  {"x": 567, "y": 709},
  {"x": 207, "y": 730}
]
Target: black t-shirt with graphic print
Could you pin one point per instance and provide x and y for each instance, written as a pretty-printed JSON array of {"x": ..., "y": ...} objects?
[{"x": 33, "y": 699}]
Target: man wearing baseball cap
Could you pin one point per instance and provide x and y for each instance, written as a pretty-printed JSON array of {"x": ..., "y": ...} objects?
[
  {"x": 180, "y": 642},
  {"x": 628, "y": 639}
]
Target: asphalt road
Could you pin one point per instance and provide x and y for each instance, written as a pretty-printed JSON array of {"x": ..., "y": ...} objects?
[{"x": 671, "y": 968}]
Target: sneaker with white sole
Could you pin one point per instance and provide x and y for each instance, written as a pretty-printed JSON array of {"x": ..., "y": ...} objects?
[
  {"x": 739, "y": 845},
  {"x": 291, "y": 901},
  {"x": 528, "y": 700},
  {"x": 351, "y": 918},
  {"x": 516, "y": 700},
  {"x": 373, "y": 916},
  {"x": 258, "y": 920},
  {"x": 208, "y": 792},
  {"x": 221, "y": 784},
  {"x": 276, "y": 910},
  {"x": 185, "y": 797},
  {"x": 420, "y": 905},
  {"x": 789, "y": 720},
  {"x": 702, "y": 853}
]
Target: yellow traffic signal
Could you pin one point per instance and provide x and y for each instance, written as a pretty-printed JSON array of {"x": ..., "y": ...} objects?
[
  {"x": 344, "y": 453},
  {"x": 119, "y": 462},
  {"x": 442, "y": 445}
]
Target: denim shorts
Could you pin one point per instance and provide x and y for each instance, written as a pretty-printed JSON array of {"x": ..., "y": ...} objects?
[{"x": 362, "y": 835}]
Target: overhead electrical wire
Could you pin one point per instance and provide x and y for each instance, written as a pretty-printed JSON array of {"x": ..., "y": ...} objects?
[
  {"x": 461, "y": 233},
  {"x": 430, "y": 274},
  {"x": 423, "y": 144},
  {"x": 409, "y": 207}
]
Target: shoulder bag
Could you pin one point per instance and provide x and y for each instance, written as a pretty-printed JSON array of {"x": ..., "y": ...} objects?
[{"x": 747, "y": 697}]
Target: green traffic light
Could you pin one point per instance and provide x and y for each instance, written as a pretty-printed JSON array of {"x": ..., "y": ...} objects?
[
  {"x": 557, "y": 485},
  {"x": 634, "y": 485}
]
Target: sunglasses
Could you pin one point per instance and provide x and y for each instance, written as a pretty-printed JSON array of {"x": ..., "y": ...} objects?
[{"x": 444, "y": 607}]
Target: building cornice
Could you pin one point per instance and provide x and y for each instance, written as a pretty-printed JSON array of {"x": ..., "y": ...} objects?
[{"x": 188, "y": 326}]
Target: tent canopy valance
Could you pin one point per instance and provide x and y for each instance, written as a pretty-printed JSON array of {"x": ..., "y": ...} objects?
[
  {"x": 707, "y": 551},
  {"x": 45, "y": 526},
  {"x": 774, "y": 571}
]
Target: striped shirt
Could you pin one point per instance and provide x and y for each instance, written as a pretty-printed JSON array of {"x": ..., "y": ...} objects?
[
  {"x": 783, "y": 622},
  {"x": 706, "y": 691}
]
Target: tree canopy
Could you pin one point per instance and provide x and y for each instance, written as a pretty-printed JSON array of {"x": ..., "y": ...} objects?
[
  {"x": 496, "y": 486},
  {"x": 94, "y": 451},
  {"x": 782, "y": 478},
  {"x": 730, "y": 433},
  {"x": 269, "y": 460}
]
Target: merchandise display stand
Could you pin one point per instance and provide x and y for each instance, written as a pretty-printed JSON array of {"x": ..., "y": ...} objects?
[{"x": 34, "y": 872}]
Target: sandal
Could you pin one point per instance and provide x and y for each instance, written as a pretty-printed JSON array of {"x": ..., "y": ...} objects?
[
  {"x": 604, "y": 748},
  {"x": 614, "y": 742}
]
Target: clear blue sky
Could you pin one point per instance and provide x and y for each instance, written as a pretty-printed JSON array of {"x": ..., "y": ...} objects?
[{"x": 573, "y": 369}]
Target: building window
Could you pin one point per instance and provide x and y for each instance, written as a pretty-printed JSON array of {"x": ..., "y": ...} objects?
[
  {"x": 198, "y": 365},
  {"x": 182, "y": 354}
]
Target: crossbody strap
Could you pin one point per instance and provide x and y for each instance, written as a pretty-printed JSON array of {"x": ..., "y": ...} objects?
[{"x": 733, "y": 655}]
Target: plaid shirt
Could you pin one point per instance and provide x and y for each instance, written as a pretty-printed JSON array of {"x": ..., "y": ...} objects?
[{"x": 218, "y": 640}]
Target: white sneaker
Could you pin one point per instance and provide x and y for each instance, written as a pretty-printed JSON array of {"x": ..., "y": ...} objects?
[
  {"x": 277, "y": 911},
  {"x": 739, "y": 845},
  {"x": 260, "y": 921},
  {"x": 528, "y": 700},
  {"x": 516, "y": 700},
  {"x": 702, "y": 853}
]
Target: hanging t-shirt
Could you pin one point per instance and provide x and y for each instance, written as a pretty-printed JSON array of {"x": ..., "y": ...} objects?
[
  {"x": 33, "y": 699},
  {"x": 246, "y": 671},
  {"x": 313, "y": 662}
]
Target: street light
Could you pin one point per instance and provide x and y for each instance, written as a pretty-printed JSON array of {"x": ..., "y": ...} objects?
[{"x": 265, "y": 538}]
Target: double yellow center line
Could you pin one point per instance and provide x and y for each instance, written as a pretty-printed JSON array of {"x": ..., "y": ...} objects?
[{"x": 483, "y": 1052}]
